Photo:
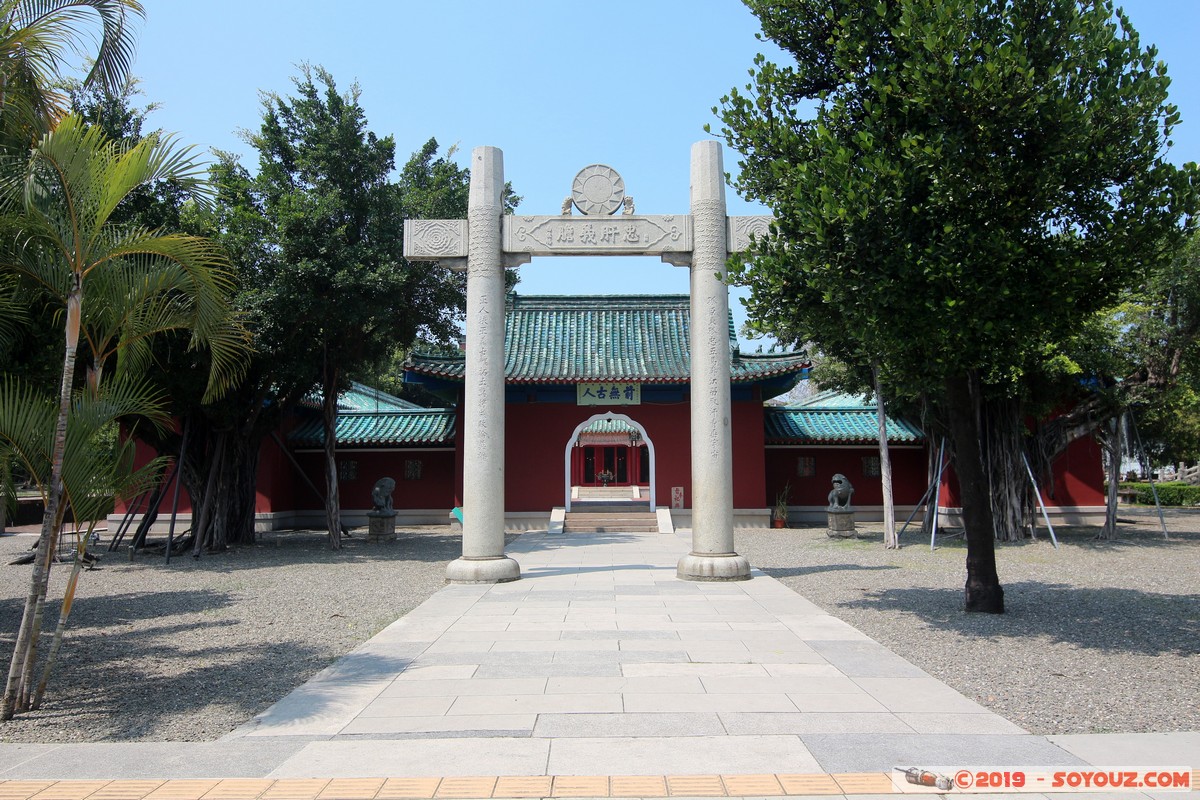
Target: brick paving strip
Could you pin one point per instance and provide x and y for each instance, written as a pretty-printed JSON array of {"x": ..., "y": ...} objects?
[{"x": 464, "y": 788}]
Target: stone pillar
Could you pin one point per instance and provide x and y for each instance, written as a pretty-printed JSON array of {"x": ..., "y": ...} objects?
[
  {"x": 839, "y": 523},
  {"x": 483, "y": 559},
  {"x": 712, "y": 557},
  {"x": 381, "y": 526}
]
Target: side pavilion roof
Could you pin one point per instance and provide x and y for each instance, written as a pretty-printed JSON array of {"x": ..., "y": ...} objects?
[
  {"x": 582, "y": 339},
  {"x": 369, "y": 417},
  {"x": 834, "y": 418},
  {"x": 389, "y": 428},
  {"x": 360, "y": 398}
]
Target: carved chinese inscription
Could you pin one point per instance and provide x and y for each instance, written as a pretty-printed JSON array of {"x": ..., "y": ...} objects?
[
  {"x": 608, "y": 394},
  {"x": 561, "y": 235}
]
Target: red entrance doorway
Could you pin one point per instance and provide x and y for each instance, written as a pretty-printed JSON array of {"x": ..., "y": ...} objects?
[
  {"x": 609, "y": 449},
  {"x": 610, "y": 465}
]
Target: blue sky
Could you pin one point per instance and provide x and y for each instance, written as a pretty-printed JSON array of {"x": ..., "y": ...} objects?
[{"x": 555, "y": 85}]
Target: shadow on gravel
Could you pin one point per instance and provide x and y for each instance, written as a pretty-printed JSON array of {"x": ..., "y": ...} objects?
[
  {"x": 219, "y": 677},
  {"x": 108, "y": 610},
  {"x": 309, "y": 548},
  {"x": 792, "y": 572},
  {"x": 126, "y": 681},
  {"x": 1111, "y": 619}
]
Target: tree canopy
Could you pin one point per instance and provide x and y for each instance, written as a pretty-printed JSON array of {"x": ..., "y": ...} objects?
[
  {"x": 314, "y": 234},
  {"x": 36, "y": 38},
  {"x": 958, "y": 186}
]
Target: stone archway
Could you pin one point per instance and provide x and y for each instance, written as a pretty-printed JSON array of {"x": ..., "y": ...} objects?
[
  {"x": 488, "y": 241},
  {"x": 631, "y": 423}
]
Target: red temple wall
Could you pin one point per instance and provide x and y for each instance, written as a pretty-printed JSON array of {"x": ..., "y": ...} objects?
[
  {"x": 434, "y": 489},
  {"x": 1078, "y": 479},
  {"x": 537, "y": 434},
  {"x": 908, "y": 474}
]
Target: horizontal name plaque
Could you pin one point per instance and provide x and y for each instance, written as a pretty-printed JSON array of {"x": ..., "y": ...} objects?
[
  {"x": 598, "y": 235},
  {"x": 608, "y": 394}
]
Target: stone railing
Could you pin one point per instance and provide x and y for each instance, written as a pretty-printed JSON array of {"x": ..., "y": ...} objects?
[{"x": 1182, "y": 473}]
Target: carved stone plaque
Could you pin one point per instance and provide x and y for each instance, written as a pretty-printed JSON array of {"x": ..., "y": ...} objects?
[
  {"x": 598, "y": 190},
  {"x": 431, "y": 239},
  {"x": 742, "y": 228},
  {"x": 581, "y": 236}
]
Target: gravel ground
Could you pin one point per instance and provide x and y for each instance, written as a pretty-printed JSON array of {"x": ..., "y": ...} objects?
[
  {"x": 1099, "y": 636},
  {"x": 188, "y": 652}
]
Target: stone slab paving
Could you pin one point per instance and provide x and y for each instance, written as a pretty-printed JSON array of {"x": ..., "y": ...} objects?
[
  {"x": 602, "y": 662},
  {"x": 599, "y": 674}
]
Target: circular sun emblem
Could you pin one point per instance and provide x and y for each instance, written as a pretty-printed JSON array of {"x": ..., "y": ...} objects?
[{"x": 598, "y": 189}]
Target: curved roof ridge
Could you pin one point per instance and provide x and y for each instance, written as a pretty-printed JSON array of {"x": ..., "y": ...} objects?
[
  {"x": 798, "y": 424},
  {"x": 412, "y": 427},
  {"x": 637, "y": 338}
]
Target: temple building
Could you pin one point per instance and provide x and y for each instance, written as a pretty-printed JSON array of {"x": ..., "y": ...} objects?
[{"x": 597, "y": 394}]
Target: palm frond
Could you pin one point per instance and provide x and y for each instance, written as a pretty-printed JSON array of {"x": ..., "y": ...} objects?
[
  {"x": 92, "y": 475},
  {"x": 208, "y": 287},
  {"x": 42, "y": 32},
  {"x": 26, "y": 428},
  {"x": 13, "y": 310}
]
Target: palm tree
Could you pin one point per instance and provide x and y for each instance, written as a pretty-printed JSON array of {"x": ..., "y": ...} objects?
[
  {"x": 146, "y": 281},
  {"x": 91, "y": 474},
  {"x": 37, "y": 36}
]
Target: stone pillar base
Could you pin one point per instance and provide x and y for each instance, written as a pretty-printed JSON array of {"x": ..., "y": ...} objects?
[
  {"x": 500, "y": 569},
  {"x": 724, "y": 567},
  {"x": 381, "y": 527},
  {"x": 840, "y": 523}
]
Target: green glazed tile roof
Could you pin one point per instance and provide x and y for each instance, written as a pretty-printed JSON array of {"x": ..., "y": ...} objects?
[
  {"x": 418, "y": 426},
  {"x": 577, "y": 339},
  {"x": 831, "y": 418},
  {"x": 609, "y": 426},
  {"x": 360, "y": 397},
  {"x": 836, "y": 400}
]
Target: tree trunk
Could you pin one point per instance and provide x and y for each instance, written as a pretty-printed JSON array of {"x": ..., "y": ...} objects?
[
  {"x": 329, "y": 415},
  {"x": 200, "y": 526},
  {"x": 1112, "y": 450},
  {"x": 63, "y": 615},
  {"x": 983, "y": 592},
  {"x": 890, "y": 540},
  {"x": 231, "y": 518},
  {"x": 1007, "y": 480},
  {"x": 25, "y": 649},
  {"x": 149, "y": 517},
  {"x": 5, "y": 479}
]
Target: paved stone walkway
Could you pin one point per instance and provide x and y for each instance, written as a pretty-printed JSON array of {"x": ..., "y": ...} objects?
[{"x": 598, "y": 674}]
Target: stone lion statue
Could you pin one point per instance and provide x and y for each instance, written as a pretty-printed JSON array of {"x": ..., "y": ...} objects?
[
  {"x": 840, "y": 494},
  {"x": 381, "y": 495}
]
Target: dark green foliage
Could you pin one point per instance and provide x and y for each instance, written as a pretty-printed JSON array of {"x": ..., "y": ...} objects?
[
  {"x": 1172, "y": 493},
  {"x": 315, "y": 237},
  {"x": 1170, "y": 428},
  {"x": 958, "y": 186},
  {"x": 318, "y": 233},
  {"x": 975, "y": 180}
]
